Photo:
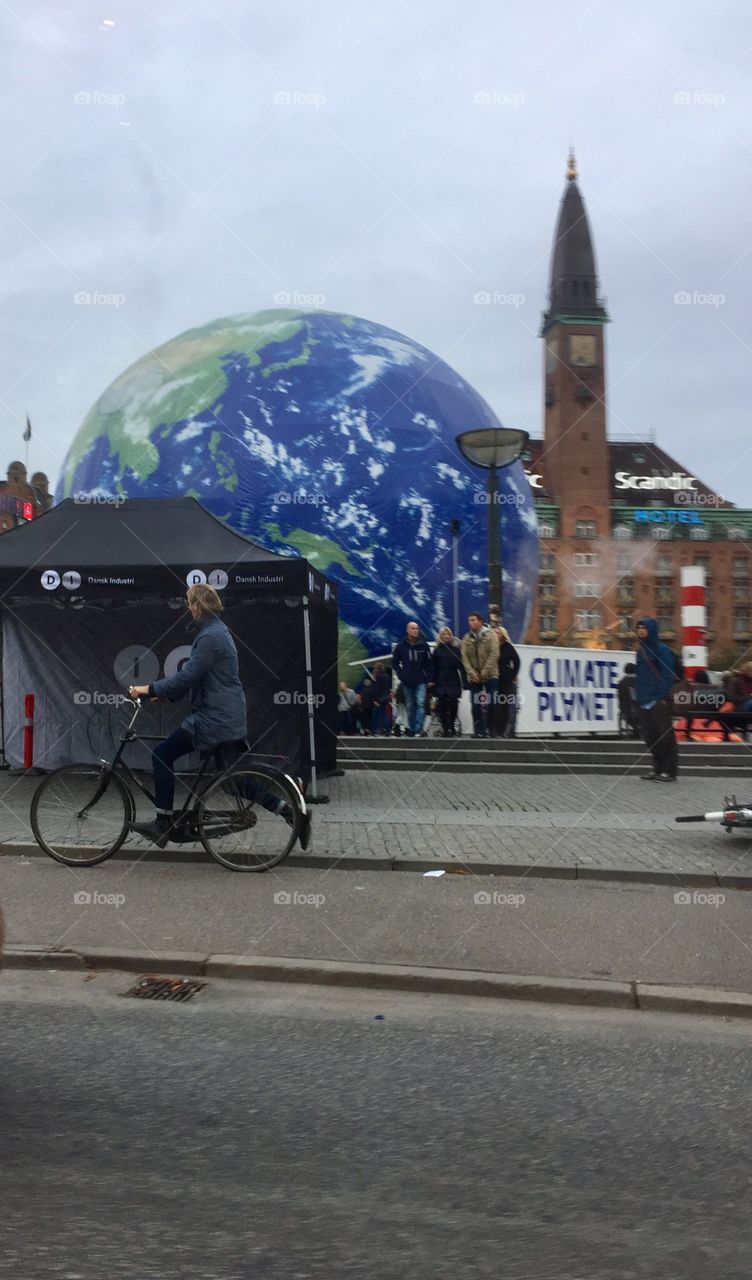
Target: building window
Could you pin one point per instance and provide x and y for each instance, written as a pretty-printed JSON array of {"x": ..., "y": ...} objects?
[
  {"x": 585, "y": 529},
  {"x": 624, "y": 562},
  {"x": 587, "y": 619},
  {"x": 741, "y": 566},
  {"x": 547, "y": 590},
  {"x": 547, "y": 623},
  {"x": 665, "y": 621},
  {"x": 546, "y": 531},
  {"x": 664, "y": 564},
  {"x": 661, "y": 532},
  {"x": 737, "y": 534},
  {"x": 741, "y": 593},
  {"x": 699, "y": 533},
  {"x": 741, "y": 625},
  {"x": 585, "y": 558},
  {"x": 625, "y": 591},
  {"x": 665, "y": 594},
  {"x": 587, "y": 590},
  {"x": 703, "y": 562},
  {"x": 547, "y": 562},
  {"x": 622, "y": 532}
]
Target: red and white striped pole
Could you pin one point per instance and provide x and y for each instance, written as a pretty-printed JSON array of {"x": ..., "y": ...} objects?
[
  {"x": 694, "y": 619},
  {"x": 28, "y": 733}
]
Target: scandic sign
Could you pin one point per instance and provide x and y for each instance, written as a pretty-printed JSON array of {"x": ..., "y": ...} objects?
[{"x": 676, "y": 482}]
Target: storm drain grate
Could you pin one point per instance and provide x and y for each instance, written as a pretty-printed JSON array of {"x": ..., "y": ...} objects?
[{"x": 165, "y": 989}]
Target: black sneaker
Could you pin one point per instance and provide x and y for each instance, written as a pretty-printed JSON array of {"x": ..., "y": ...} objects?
[
  {"x": 158, "y": 831},
  {"x": 305, "y": 831}
]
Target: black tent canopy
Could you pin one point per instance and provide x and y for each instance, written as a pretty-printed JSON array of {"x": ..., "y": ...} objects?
[{"x": 92, "y": 598}]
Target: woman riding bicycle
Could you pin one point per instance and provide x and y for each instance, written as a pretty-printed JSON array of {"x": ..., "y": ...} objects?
[{"x": 218, "y": 708}]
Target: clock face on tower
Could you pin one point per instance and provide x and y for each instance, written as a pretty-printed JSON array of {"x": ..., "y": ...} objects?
[{"x": 582, "y": 349}]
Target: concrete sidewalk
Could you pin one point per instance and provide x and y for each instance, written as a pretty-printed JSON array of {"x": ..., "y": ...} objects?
[
  {"x": 575, "y": 827},
  {"x": 547, "y": 940}
]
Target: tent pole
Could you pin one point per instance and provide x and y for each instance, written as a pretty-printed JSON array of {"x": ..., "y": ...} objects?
[
  {"x": 3, "y": 758},
  {"x": 309, "y": 690}
]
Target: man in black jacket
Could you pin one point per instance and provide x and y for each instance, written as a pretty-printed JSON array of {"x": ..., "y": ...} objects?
[{"x": 411, "y": 661}]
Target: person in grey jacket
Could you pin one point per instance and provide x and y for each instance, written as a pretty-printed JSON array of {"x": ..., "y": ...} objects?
[{"x": 218, "y": 708}]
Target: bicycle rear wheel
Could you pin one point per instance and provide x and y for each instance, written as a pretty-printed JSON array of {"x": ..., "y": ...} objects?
[
  {"x": 67, "y": 828},
  {"x": 250, "y": 820}
]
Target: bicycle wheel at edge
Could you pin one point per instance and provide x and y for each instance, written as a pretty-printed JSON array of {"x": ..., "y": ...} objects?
[
  {"x": 239, "y": 826},
  {"x": 74, "y": 841}
]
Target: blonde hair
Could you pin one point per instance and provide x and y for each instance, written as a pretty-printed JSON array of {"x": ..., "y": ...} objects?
[
  {"x": 205, "y": 598},
  {"x": 446, "y": 631}
]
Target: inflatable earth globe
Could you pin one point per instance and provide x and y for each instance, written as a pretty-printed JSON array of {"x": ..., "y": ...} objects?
[{"x": 326, "y": 436}]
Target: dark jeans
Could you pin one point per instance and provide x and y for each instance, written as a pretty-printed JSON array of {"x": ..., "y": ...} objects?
[
  {"x": 179, "y": 743},
  {"x": 482, "y": 697},
  {"x": 365, "y": 719},
  {"x": 447, "y": 704},
  {"x": 415, "y": 703},
  {"x": 380, "y": 722},
  {"x": 657, "y": 728},
  {"x": 502, "y": 711},
  {"x": 345, "y": 722}
]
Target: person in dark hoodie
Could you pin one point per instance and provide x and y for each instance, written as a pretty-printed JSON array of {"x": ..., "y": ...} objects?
[
  {"x": 411, "y": 662},
  {"x": 448, "y": 679},
  {"x": 655, "y": 673}
]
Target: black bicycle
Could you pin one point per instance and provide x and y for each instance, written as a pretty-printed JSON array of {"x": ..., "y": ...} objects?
[{"x": 245, "y": 813}]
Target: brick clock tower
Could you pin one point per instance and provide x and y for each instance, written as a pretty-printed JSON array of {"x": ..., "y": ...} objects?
[{"x": 575, "y": 461}]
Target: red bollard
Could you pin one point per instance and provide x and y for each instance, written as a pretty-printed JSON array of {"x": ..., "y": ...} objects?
[{"x": 28, "y": 733}]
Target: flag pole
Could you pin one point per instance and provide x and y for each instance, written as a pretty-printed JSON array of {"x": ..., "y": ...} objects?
[{"x": 27, "y": 438}]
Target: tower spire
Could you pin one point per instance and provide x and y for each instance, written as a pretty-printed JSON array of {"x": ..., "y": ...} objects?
[{"x": 573, "y": 288}]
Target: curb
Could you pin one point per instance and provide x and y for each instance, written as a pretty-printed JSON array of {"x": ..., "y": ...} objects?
[
  {"x": 579, "y": 992},
  {"x": 519, "y": 871}
]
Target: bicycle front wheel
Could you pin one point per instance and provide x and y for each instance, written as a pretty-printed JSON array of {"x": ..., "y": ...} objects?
[
  {"x": 72, "y": 822},
  {"x": 250, "y": 820}
]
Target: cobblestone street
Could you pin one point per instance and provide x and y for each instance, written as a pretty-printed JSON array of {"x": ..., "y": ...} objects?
[{"x": 542, "y": 825}]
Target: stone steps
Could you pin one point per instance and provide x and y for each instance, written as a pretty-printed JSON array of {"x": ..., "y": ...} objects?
[{"x": 611, "y": 756}]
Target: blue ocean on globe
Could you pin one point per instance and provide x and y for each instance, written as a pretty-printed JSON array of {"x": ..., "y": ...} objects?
[{"x": 326, "y": 436}]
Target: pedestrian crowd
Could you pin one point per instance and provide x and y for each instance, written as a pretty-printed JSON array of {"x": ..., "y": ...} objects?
[{"x": 423, "y": 690}]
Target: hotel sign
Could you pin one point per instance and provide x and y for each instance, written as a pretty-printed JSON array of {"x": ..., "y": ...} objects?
[
  {"x": 666, "y": 515},
  {"x": 628, "y": 486},
  {"x": 679, "y": 480}
]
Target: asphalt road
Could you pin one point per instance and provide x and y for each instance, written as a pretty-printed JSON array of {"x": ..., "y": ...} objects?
[
  {"x": 556, "y": 928},
  {"x": 292, "y": 1134}
]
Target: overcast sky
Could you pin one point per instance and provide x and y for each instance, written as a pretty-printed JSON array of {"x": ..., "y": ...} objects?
[{"x": 417, "y": 157}]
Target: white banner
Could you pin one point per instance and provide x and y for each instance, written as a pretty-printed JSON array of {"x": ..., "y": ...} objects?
[{"x": 569, "y": 690}]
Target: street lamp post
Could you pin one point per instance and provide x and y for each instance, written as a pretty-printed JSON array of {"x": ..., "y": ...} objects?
[
  {"x": 493, "y": 448},
  {"x": 454, "y": 529}
]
